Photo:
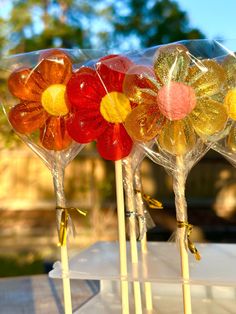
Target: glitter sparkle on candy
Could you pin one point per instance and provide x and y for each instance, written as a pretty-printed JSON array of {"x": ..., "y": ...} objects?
[{"x": 181, "y": 98}]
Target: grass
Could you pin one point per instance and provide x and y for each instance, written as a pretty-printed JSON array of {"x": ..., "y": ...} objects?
[{"x": 21, "y": 265}]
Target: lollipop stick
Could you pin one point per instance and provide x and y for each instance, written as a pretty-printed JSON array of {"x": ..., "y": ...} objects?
[
  {"x": 181, "y": 215},
  {"x": 144, "y": 247},
  {"x": 122, "y": 238},
  {"x": 58, "y": 180},
  {"x": 128, "y": 180}
]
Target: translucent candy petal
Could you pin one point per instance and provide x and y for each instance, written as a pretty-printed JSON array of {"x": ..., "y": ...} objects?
[
  {"x": 208, "y": 117},
  {"x": 207, "y": 78},
  {"x": 144, "y": 122},
  {"x": 54, "y": 135},
  {"x": 27, "y": 117},
  {"x": 85, "y": 90},
  {"x": 229, "y": 64},
  {"x": 114, "y": 143},
  {"x": 111, "y": 71},
  {"x": 26, "y": 84},
  {"x": 171, "y": 63},
  {"x": 55, "y": 67},
  {"x": 230, "y": 103},
  {"x": 231, "y": 139},
  {"x": 177, "y": 137},
  {"x": 140, "y": 85},
  {"x": 86, "y": 126}
]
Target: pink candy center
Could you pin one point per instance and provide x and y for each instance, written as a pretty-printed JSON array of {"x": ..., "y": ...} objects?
[{"x": 176, "y": 100}]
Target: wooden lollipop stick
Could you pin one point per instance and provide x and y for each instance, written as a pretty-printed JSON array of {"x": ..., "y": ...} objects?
[
  {"x": 58, "y": 181},
  {"x": 66, "y": 280},
  {"x": 122, "y": 237},
  {"x": 144, "y": 247},
  {"x": 181, "y": 215},
  {"x": 130, "y": 207}
]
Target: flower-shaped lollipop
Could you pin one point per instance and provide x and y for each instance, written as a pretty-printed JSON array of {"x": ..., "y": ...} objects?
[
  {"x": 178, "y": 104},
  {"x": 226, "y": 144},
  {"x": 229, "y": 63},
  {"x": 43, "y": 104},
  {"x": 99, "y": 107}
]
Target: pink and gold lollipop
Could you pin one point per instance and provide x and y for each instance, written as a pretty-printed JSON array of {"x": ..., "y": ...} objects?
[
  {"x": 179, "y": 105},
  {"x": 179, "y": 110}
]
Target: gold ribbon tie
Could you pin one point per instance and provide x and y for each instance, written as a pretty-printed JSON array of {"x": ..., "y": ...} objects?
[
  {"x": 152, "y": 202},
  {"x": 65, "y": 214},
  {"x": 189, "y": 228}
]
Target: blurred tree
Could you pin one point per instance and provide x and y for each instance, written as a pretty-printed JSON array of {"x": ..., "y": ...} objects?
[
  {"x": 38, "y": 24},
  {"x": 151, "y": 22}
]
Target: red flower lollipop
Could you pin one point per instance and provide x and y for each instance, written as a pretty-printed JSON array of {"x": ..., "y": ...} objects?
[
  {"x": 99, "y": 107},
  {"x": 43, "y": 104}
]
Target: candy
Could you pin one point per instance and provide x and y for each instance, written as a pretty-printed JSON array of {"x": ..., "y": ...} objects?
[
  {"x": 53, "y": 100},
  {"x": 230, "y": 103},
  {"x": 115, "y": 107},
  {"x": 176, "y": 100},
  {"x": 231, "y": 140},
  {"x": 43, "y": 101},
  {"x": 27, "y": 117},
  {"x": 178, "y": 137},
  {"x": 100, "y": 107},
  {"x": 144, "y": 123},
  {"x": 179, "y": 91},
  {"x": 54, "y": 135},
  {"x": 209, "y": 117},
  {"x": 207, "y": 78},
  {"x": 171, "y": 63}
]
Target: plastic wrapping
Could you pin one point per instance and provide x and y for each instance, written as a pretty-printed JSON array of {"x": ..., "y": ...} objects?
[
  {"x": 36, "y": 104},
  {"x": 226, "y": 144},
  {"x": 180, "y": 109},
  {"x": 134, "y": 194}
]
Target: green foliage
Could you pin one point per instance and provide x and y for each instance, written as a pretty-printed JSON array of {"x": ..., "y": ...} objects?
[
  {"x": 33, "y": 24},
  {"x": 152, "y": 22},
  {"x": 21, "y": 265}
]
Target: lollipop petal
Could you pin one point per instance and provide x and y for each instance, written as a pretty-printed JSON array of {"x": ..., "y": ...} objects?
[
  {"x": 207, "y": 78},
  {"x": 230, "y": 103},
  {"x": 86, "y": 127},
  {"x": 140, "y": 85},
  {"x": 114, "y": 143},
  {"x": 54, "y": 135},
  {"x": 231, "y": 139},
  {"x": 208, "y": 117},
  {"x": 229, "y": 64},
  {"x": 85, "y": 90},
  {"x": 177, "y": 137},
  {"x": 55, "y": 67},
  {"x": 144, "y": 122},
  {"x": 111, "y": 71},
  {"x": 26, "y": 84},
  {"x": 27, "y": 117},
  {"x": 171, "y": 63}
]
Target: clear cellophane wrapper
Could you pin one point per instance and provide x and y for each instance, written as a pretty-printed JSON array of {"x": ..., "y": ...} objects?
[
  {"x": 35, "y": 103},
  {"x": 172, "y": 106},
  {"x": 134, "y": 195}
]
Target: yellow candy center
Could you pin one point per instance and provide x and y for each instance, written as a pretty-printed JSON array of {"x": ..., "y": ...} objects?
[
  {"x": 115, "y": 107},
  {"x": 53, "y": 100},
  {"x": 230, "y": 102}
]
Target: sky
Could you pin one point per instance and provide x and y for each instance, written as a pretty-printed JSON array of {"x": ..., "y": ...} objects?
[{"x": 215, "y": 18}]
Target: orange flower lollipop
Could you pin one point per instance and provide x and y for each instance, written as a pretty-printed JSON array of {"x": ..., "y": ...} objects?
[{"x": 43, "y": 104}]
